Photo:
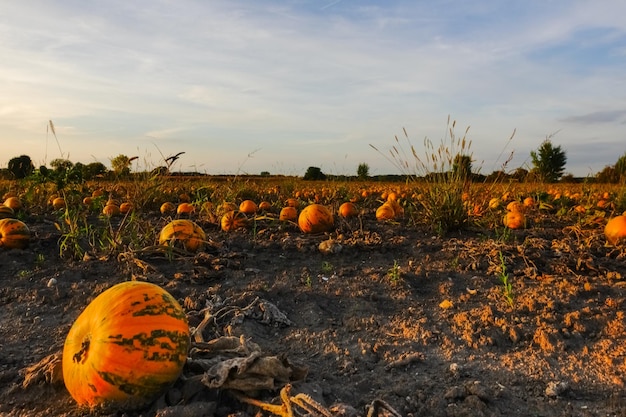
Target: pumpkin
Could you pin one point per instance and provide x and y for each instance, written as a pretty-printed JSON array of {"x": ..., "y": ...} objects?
[
  {"x": 58, "y": 203},
  {"x": 316, "y": 218},
  {"x": 97, "y": 193},
  {"x": 348, "y": 209},
  {"x": 167, "y": 208},
  {"x": 126, "y": 347},
  {"x": 515, "y": 206},
  {"x": 389, "y": 210},
  {"x": 615, "y": 230},
  {"x": 125, "y": 207},
  {"x": 185, "y": 208},
  {"x": 580, "y": 209},
  {"x": 111, "y": 210},
  {"x": 6, "y": 212},
  {"x": 292, "y": 202},
  {"x": 183, "y": 232},
  {"x": 248, "y": 207},
  {"x": 13, "y": 202},
  {"x": 385, "y": 212},
  {"x": 265, "y": 206},
  {"x": 494, "y": 203},
  {"x": 397, "y": 208},
  {"x": 225, "y": 207},
  {"x": 88, "y": 201},
  {"x": 529, "y": 202},
  {"x": 14, "y": 234},
  {"x": 232, "y": 220},
  {"x": 514, "y": 220},
  {"x": 288, "y": 213},
  {"x": 51, "y": 198}
]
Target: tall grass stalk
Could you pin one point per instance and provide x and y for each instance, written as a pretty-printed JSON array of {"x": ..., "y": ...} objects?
[{"x": 442, "y": 174}]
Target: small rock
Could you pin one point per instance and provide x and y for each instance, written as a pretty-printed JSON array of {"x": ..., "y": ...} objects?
[
  {"x": 51, "y": 282},
  {"x": 330, "y": 246},
  {"x": 479, "y": 390},
  {"x": 454, "y": 393},
  {"x": 454, "y": 368},
  {"x": 554, "y": 388}
]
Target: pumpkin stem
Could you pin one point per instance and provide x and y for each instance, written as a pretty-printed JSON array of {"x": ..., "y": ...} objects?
[{"x": 81, "y": 355}]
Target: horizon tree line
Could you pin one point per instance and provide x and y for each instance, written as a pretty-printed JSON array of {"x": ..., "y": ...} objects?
[{"x": 548, "y": 165}]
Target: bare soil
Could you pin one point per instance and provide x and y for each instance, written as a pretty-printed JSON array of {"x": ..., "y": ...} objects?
[{"x": 433, "y": 336}]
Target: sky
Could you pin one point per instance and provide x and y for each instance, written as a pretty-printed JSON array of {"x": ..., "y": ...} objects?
[{"x": 249, "y": 86}]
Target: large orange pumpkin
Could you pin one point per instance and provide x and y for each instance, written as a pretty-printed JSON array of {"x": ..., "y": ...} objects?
[
  {"x": 233, "y": 219},
  {"x": 127, "y": 346},
  {"x": 6, "y": 212},
  {"x": 385, "y": 212},
  {"x": 183, "y": 232},
  {"x": 288, "y": 213},
  {"x": 185, "y": 208},
  {"x": 13, "y": 202},
  {"x": 14, "y": 234},
  {"x": 515, "y": 206},
  {"x": 514, "y": 220},
  {"x": 615, "y": 230},
  {"x": 389, "y": 210},
  {"x": 316, "y": 218},
  {"x": 348, "y": 209},
  {"x": 248, "y": 207},
  {"x": 111, "y": 209}
]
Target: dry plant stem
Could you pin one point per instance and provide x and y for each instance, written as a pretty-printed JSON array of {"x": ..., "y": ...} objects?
[
  {"x": 197, "y": 333},
  {"x": 285, "y": 409},
  {"x": 208, "y": 317},
  {"x": 377, "y": 406},
  {"x": 290, "y": 405}
]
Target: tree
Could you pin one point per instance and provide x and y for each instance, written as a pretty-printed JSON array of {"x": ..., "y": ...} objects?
[
  {"x": 363, "y": 171},
  {"x": 61, "y": 165},
  {"x": 608, "y": 175},
  {"x": 21, "y": 166},
  {"x": 314, "y": 173},
  {"x": 76, "y": 173},
  {"x": 548, "y": 161},
  {"x": 121, "y": 165},
  {"x": 94, "y": 169},
  {"x": 520, "y": 174},
  {"x": 462, "y": 167}
]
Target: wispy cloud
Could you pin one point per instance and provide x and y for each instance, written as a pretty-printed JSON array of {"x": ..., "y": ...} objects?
[{"x": 607, "y": 116}]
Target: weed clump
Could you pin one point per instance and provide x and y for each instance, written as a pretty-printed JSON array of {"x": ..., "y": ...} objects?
[{"x": 442, "y": 177}]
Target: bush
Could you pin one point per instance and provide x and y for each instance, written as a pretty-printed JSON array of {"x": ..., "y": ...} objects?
[{"x": 314, "y": 173}]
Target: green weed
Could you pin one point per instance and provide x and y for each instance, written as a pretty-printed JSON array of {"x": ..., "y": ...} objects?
[
  {"x": 507, "y": 288},
  {"x": 394, "y": 273}
]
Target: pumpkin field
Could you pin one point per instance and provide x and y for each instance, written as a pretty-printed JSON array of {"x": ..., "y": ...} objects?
[{"x": 280, "y": 296}]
